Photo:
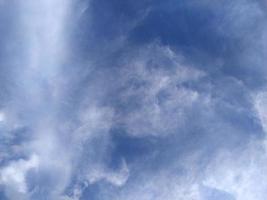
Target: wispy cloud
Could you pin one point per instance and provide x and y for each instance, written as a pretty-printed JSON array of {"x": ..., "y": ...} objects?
[{"x": 132, "y": 100}]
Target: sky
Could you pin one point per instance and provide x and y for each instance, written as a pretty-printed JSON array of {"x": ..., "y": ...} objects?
[{"x": 133, "y": 100}]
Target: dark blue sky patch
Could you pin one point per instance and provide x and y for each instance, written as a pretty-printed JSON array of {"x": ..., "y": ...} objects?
[{"x": 131, "y": 148}]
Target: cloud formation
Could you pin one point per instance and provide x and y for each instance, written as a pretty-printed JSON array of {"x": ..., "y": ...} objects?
[{"x": 133, "y": 100}]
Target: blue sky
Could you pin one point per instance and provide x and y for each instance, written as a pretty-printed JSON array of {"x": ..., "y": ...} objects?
[{"x": 133, "y": 100}]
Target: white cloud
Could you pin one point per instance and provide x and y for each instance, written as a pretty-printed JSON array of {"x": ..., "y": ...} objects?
[
  {"x": 160, "y": 77},
  {"x": 162, "y": 185},
  {"x": 13, "y": 176},
  {"x": 241, "y": 173},
  {"x": 158, "y": 90},
  {"x": 261, "y": 108},
  {"x": 117, "y": 178},
  {"x": 2, "y": 117}
]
